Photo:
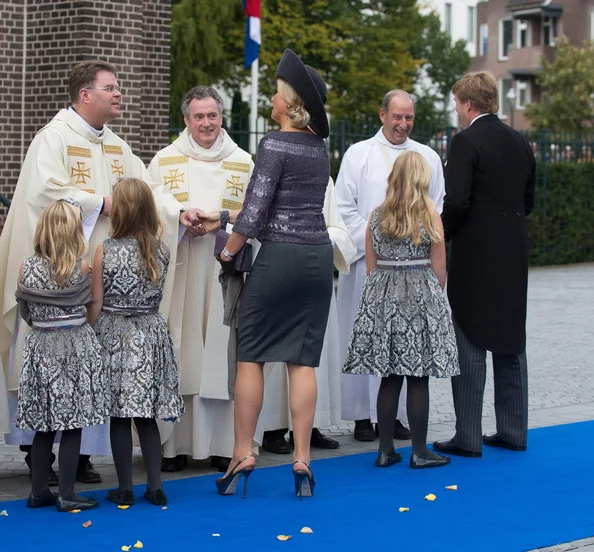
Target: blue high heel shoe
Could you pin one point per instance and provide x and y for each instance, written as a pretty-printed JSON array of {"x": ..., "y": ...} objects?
[
  {"x": 304, "y": 480},
  {"x": 226, "y": 485}
]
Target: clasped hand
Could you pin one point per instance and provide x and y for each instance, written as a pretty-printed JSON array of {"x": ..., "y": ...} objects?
[{"x": 198, "y": 223}]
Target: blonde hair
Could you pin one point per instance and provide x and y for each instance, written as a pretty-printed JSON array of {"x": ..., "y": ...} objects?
[
  {"x": 407, "y": 202},
  {"x": 134, "y": 215},
  {"x": 297, "y": 113},
  {"x": 59, "y": 238},
  {"x": 480, "y": 89}
]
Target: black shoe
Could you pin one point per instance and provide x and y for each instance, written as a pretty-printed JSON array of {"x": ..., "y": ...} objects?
[
  {"x": 121, "y": 497},
  {"x": 364, "y": 430},
  {"x": 85, "y": 472},
  {"x": 226, "y": 485},
  {"x": 77, "y": 502},
  {"x": 52, "y": 478},
  {"x": 157, "y": 497},
  {"x": 449, "y": 447},
  {"x": 48, "y": 499},
  {"x": 174, "y": 464},
  {"x": 304, "y": 480},
  {"x": 221, "y": 463},
  {"x": 401, "y": 432},
  {"x": 278, "y": 445},
  {"x": 320, "y": 441},
  {"x": 496, "y": 441},
  {"x": 428, "y": 460},
  {"x": 384, "y": 460}
]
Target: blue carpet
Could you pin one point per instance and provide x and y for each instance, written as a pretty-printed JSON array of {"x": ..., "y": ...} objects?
[{"x": 506, "y": 501}]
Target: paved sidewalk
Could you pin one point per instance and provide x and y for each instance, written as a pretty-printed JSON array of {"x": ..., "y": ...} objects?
[{"x": 561, "y": 386}]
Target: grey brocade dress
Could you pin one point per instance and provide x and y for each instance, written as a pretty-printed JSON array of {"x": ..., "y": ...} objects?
[
  {"x": 63, "y": 384},
  {"x": 137, "y": 348},
  {"x": 403, "y": 325}
]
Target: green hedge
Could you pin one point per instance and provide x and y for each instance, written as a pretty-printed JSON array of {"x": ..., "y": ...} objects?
[{"x": 561, "y": 227}]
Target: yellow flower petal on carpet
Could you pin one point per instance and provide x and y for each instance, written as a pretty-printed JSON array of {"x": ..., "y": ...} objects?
[
  {"x": 87, "y": 524},
  {"x": 306, "y": 530},
  {"x": 283, "y": 537},
  {"x": 431, "y": 497},
  {"x": 452, "y": 487},
  {"x": 74, "y": 512},
  {"x": 138, "y": 545},
  {"x": 123, "y": 506},
  {"x": 126, "y": 548},
  {"x": 403, "y": 509}
]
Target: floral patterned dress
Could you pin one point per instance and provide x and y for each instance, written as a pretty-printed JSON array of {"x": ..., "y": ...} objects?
[
  {"x": 403, "y": 325},
  {"x": 63, "y": 384},
  {"x": 137, "y": 348}
]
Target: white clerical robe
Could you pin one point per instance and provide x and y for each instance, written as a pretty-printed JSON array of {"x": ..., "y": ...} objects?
[
  {"x": 361, "y": 187},
  {"x": 275, "y": 411},
  {"x": 65, "y": 159},
  {"x": 210, "y": 179}
]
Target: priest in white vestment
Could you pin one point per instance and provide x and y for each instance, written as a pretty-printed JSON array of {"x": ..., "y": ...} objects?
[
  {"x": 276, "y": 411},
  {"x": 361, "y": 187},
  {"x": 74, "y": 156},
  {"x": 203, "y": 168}
]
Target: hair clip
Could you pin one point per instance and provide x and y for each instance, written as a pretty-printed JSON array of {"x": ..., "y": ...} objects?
[{"x": 74, "y": 203}]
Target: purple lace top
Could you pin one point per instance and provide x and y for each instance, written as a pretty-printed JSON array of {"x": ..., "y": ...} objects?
[{"x": 285, "y": 197}]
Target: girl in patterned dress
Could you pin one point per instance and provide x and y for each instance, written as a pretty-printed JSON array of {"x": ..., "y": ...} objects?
[
  {"x": 129, "y": 272},
  {"x": 403, "y": 327},
  {"x": 62, "y": 385}
]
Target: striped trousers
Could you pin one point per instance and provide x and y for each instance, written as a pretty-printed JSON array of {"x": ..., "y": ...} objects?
[{"x": 510, "y": 378}]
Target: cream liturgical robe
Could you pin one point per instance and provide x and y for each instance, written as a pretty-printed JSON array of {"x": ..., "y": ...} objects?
[
  {"x": 361, "y": 187},
  {"x": 210, "y": 179},
  {"x": 65, "y": 159},
  {"x": 276, "y": 412}
]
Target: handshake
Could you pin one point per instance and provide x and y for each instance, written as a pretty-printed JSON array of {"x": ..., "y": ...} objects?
[{"x": 198, "y": 223}]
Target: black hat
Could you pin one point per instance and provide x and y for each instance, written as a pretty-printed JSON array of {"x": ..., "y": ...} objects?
[{"x": 310, "y": 87}]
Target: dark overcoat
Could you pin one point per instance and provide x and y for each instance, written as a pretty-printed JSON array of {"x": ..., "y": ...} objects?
[{"x": 489, "y": 182}]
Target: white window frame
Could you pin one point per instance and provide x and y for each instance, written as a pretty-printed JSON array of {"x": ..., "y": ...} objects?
[
  {"x": 483, "y": 37},
  {"x": 502, "y": 22},
  {"x": 503, "y": 101},
  {"x": 553, "y": 24},
  {"x": 523, "y": 25},
  {"x": 447, "y": 18},
  {"x": 527, "y": 88},
  {"x": 592, "y": 25},
  {"x": 471, "y": 28}
]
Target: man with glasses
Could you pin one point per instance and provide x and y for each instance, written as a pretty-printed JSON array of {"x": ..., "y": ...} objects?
[{"x": 76, "y": 156}]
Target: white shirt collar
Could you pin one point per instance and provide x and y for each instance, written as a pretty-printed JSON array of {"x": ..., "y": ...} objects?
[
  {"x": 217, "y": 144},
  {"x": 96, "y": 132},
  {"x": 381, "y": 137},
  {"x": 478, "y": 117}
]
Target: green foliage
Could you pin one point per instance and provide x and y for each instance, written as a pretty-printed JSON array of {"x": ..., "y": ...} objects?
[
  {"x": 561, "y": 227},
  {"x": 567, "y": 88}
]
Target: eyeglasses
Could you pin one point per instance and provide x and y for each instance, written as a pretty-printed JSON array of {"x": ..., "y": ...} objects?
[{"x": 109, "y": 88}]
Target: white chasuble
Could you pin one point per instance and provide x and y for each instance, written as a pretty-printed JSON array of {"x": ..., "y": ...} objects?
[
  {"x": 65, "y": 159},
  {"x": 360, "y": 188}
]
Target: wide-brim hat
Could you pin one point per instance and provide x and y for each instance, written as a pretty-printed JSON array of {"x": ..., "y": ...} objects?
[{"x": 310, "y": 87}]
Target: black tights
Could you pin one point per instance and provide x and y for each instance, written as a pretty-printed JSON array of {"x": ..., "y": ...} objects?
[
  {"x": 120, "y": 430},
  {"x": 41, "y": 460},
  {"x": 417, "y": 408}
]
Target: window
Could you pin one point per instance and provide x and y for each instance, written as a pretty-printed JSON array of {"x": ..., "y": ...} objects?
[
  {"x": 592, "y": 25},
  {"x": 523, "y": 33},
  {"x": 484, "y": 39},
  {"x": 549, "y": 30},
  {"x": 522, "y": 94},
  {"x": 504, "y": 107},
  {"x": 448, "y": 18},
  {"x": 506, "y": 37},
  {"x": 470, "y": 36}
]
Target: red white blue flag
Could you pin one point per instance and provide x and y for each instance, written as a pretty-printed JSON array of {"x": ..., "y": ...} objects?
[{"x": 253, "y": 38}]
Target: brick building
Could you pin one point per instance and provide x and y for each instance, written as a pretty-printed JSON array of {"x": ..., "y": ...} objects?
[{"x": 41, "y": 40}]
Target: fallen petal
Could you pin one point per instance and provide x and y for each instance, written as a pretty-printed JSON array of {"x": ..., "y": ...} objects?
[
  {"x": 164, "y": 508},
  {"x": 306, "y": 530},
  {"x": 3, "y": 513},
  {"x": 87, "y": 524},
  {"x": 283, "y": 537},
  {"x": 430, "y": 497},
  {"x": 452, "y": 487},
  {"x": 138, "y": 545},
  {"x": 74, "y": 512},
  {"x": 216, "y": 535},
  {"x": 126, "y": 548},
  {"x": 403, "y": 509},
  {"x": 123, "y": 506}
]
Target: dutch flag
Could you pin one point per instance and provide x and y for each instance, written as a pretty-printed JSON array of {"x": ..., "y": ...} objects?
[{"x": 253, "y": 39}]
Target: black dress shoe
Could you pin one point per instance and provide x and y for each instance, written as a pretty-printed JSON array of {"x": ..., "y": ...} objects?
[
  {"x": 121, "y": 497},
  {"x": 428, "y": 460},
  {"x": 319, "y": 440},
  {"x": 449, "y": 447},
  {"x": 77, "y": 502},
  {"x": 364, "y": 430},
  {"x": 384, "y": 460},
  {"x": 401, "y": 432},
  {"x": 221, "y": 463},
  {"x": 85, "y": 472},
  {"x": 496, "y": 441},
  {"x": 157, "y": 497},
  {"x": 48, "y": 499},
  {"x": 174, "y": 464},
  {"x": 277, "y": 445}
]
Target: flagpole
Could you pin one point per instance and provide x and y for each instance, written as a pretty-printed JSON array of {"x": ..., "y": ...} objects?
[{"x": 254, "y": 107}]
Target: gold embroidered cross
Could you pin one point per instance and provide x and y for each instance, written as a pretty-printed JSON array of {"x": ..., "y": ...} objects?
[
  {"x": 174, "y": 178},
  {"x": 81, "y": 172},
  {"x": 235, "y": 186},
  {"x": 117, "y": 169}
]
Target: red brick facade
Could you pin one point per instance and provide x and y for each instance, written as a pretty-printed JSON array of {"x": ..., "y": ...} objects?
[{"x": 40, "y": 41}]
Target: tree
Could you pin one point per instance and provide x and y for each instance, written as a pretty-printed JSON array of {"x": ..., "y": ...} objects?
[{"x": 567, "y": 90}]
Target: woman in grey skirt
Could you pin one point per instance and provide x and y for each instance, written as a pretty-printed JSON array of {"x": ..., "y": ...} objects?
[{"x": 285, "y": 301}]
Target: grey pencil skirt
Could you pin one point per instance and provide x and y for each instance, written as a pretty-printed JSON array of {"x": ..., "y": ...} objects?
[{"x": 285, "y": 303}]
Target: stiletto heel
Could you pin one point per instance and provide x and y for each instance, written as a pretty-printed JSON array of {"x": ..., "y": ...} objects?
[
  {"x": 304, "y": 480},
  {"x": 226, "y": 485}
]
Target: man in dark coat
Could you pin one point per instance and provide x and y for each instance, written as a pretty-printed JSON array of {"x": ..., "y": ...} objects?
[{"x": 489, "y": 181}]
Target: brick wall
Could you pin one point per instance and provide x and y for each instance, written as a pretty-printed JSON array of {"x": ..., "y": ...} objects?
[{"x": 51, "y": 37}]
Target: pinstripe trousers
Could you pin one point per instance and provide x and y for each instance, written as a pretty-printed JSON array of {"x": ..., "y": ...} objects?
[{"x": 510, "y": 378}]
